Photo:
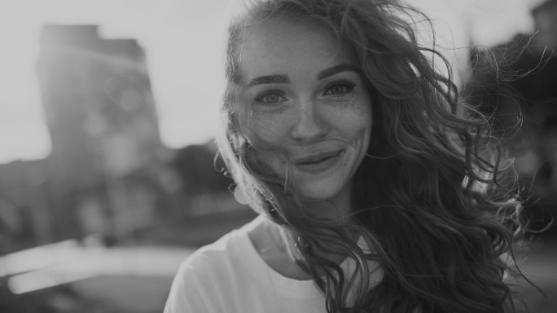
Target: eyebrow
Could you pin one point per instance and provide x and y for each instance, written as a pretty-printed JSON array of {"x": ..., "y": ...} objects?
[
  {"x": 337, "y": 69},
  {"x": 283, "y": 79},
  {"x": 269, "y": 79}
]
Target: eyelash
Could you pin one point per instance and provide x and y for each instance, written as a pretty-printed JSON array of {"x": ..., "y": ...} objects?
[
  {"x": 260, "y": 96},
  {"x": 349, "y": 86}
]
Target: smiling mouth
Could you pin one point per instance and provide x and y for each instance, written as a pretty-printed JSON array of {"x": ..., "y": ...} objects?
[{"x": 318, "y": 162}]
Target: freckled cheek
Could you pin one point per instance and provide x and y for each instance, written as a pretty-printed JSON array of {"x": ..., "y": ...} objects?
[
  {"x": 355, "y": 123},
  {"x": 271, "y": 130}
]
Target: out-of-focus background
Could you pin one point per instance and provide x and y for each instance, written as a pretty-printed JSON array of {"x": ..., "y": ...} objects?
[{"x": 108, "y": 110}]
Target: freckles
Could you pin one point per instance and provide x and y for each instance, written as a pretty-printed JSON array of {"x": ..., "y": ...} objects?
[
  {"x": 362, "y": 105},
  {"x": 269, "y": 129},
  {"x": 353, "y": 113}
]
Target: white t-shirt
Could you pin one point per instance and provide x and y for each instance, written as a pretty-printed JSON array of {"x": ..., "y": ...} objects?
[{"x": 230, "y": 276}]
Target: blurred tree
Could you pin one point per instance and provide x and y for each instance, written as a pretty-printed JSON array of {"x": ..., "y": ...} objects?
[{"x": 199, "y": 171}]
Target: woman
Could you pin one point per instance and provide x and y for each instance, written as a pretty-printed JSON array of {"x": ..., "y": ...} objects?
[{"x": 377, "y": 189}]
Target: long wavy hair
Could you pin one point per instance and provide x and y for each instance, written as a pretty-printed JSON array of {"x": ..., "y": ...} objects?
[{"x": 433, "y": 198}]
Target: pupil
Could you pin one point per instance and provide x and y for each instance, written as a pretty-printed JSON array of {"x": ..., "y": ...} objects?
[
  {"x": 337, "y": 89},
  {"x": 272, "y": 98}
]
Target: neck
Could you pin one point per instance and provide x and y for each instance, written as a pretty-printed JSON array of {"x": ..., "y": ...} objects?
[
  {"x": 278, "y": 249},
  {"x": 336, "y": 211}
]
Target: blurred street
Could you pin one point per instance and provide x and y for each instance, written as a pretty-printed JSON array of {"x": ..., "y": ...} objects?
[
  {"x": 137, "y": 278},
  {"x": 144, "y": 293},
  {"x": 132, "y": 277}
]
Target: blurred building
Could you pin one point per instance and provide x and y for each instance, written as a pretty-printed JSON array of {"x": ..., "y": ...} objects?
[
  {"x": 108, "y": 173},
  {"x": 98, "y": 103},
  {"x": 101, "y": 115},
  {"x": 102, "y": 120}
]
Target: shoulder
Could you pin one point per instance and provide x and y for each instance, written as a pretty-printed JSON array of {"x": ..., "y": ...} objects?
[
  {"x": 205, "y": 278},
  {"x": 216, "y": 257},
  {"x": 217, "y": 260}
]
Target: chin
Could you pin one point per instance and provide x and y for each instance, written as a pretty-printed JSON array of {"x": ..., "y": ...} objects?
[{"x": 319, "y": 193}]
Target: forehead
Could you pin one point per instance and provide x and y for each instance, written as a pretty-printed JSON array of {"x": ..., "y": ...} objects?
[{"x": 280, "y": 45}]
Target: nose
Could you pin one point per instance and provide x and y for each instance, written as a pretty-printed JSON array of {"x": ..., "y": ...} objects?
[{"x": 310, "y": 123}]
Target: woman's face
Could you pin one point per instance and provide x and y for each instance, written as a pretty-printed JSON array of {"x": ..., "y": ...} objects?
[{"x": 306, "y": 99}]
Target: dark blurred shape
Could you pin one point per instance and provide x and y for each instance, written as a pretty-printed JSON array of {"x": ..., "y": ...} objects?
[
  {"x": 206, "y": 185},
  {"x": 545, "y": 16},
  {"x": 200, "y": 171},
  {"x": 516, "y": 85},
  {"x": 23, "y": 217}
]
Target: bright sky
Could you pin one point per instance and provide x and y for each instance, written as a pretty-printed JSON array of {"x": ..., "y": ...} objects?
[{"x": 184, "y": 43}]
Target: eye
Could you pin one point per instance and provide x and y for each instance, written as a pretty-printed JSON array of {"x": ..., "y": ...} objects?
[
  {"x": 339, "y": 88},
  {"x": 270, "y": 97}
]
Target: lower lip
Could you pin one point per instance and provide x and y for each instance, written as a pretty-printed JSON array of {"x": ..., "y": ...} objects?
[{"x": 319, "y": 167}]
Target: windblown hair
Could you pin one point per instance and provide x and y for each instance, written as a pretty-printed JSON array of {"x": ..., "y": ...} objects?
[{"x": 432, "y": 198}]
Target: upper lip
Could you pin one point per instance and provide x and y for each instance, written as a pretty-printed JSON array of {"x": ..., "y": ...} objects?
[{"x": 316, "y": 157}]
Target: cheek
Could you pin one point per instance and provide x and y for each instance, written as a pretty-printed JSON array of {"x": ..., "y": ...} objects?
[
  {"x": 355, "y": 119},
  {"x": 367, "y": 120},
  {"x": 268, "y": 129},
  {"x": 268, "y": 135}
]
